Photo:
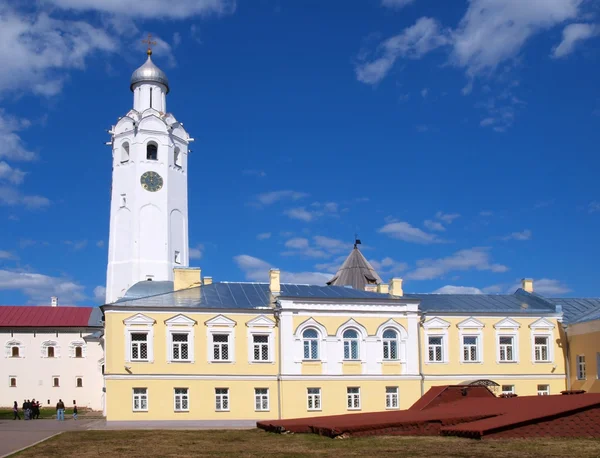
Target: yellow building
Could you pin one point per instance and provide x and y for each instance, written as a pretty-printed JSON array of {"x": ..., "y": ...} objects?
[{"x": 235, "y": 353}]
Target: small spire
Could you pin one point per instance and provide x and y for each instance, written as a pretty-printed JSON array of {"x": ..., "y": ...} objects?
[
  {"x": 150, "y": 44},
  {"x": 356, "y": 241}
]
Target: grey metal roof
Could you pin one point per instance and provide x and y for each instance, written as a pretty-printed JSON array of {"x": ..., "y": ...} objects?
[
  {"x": 520, "y": 302},
  {"x": 245, "y": 295},
  {"x": 147, "y": 288},
  {"x": 95, "y": 317},
  {"x": 356, "y": 271},
  {"x": 577, "y": 310}
]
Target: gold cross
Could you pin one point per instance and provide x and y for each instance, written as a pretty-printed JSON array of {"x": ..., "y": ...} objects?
[{"x": 150, "y": 43}]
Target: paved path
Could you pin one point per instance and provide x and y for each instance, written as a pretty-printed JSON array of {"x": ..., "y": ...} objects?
[{"x": 16, "y": 434}]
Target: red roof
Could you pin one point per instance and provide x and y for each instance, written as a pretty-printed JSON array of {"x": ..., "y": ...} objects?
[{"x": 45, "y": 316}]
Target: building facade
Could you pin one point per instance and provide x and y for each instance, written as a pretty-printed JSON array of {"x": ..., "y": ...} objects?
[{"x": 52, "y": 353}]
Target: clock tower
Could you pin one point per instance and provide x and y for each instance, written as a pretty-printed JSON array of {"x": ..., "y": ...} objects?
[{"x": 149, "y": 208}]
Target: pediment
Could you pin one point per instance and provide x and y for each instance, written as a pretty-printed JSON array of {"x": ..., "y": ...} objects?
[
  {"x": 436, "y": 323},
  {"x": 180, "y": 320},
  {"x": 261, "y": 321},
  {"x": 139, "y": 319},
  {"x": 152, "y": 122},
  {"x": 507, "y": 323},
  {"x": 220, "y": 320},
  {"x": 391, "y": 324},
  {"x": 470, "y": 323},
  {"x": 311, "y": 323},
  {"x": 352, "y": 323},
  {"x": 125, "y": 124},
  {"x": 542, "y": 323}
]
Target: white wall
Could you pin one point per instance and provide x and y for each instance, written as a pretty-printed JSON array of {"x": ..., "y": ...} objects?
[{"x": 35, "y": 371}]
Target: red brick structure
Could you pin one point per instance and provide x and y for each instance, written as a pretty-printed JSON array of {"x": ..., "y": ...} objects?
[{"x": 464, "y": 411}]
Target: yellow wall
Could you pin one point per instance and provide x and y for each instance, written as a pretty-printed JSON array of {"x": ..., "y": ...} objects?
[
  {"x": 523, "y": 387},
  {"x": 333, "y": 322},
  {"x": 588, "y": 345}
]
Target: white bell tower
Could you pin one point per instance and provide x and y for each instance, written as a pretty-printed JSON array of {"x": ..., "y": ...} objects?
[{"x": 149, "y": 206}]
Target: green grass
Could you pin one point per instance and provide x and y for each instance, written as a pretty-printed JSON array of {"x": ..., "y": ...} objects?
[{"x": 257, "y": 443}]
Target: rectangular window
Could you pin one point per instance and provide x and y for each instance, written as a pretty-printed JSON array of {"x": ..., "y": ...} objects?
[
  {"x": 79, "y": 382},
  {"x": 391, "y": 397},
  {"x": 123, "y": 202},
  {"x": 220, "y": 347},
  {"x": 581, "y": 367},
  {"x": 541, "y": 348},
  {"x": 261, "y": 347},
  {"x": 543, "y": 390},
  {"x": 50, "y": 352},
  {"x": 221, "y": 399},
  {"x": 12, "y": 381},
  {"x": 177, "y": 258},
  {"x": 56, "y": 381},
  {"x": 139, "y": 346},
  {"x": 140, "y": 399},
  {"x": 353, "y": 396},
  {"x": 507, "y": 348},
  {"x": 261, "y": 399},
  {"x": 181, "y": 400},
  {"x": 313, "y": 398},
  {"x": 508, "y": 389},
  {"x": 470, "y": 351},
  {"x": 436, "y": 349},
  {"x": 180, "y": 347}
]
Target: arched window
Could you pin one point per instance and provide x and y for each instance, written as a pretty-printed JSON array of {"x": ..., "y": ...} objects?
[
  {"x": 50, "y": 349},
  {"x": 390, "y": 344},
  {"x": 79, "y": 382},
  {"x": 13, "y": 382},
  {"x": 177, "y": 157},
  {"x": 310, "y": 339},
  {"x": 15, "y": 352},
  {"x": 152, "y": 151},
  {"x": 350, "y": 338},
  {"x": 78, "y": 352},
  {"x": 125, "y": 152}
]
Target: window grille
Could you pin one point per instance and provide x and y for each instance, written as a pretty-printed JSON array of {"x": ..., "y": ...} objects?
[
  {"x": 506, "y": 344},
  {"x": 390, "y": 344},
  {"x": 350, "y": 344},
  {"x": 435, "y": 349},
  {"x": 220, "y": 347},
  {"x": 543, "y": 390},
  {"x": 180, "y": 347},
  {"x": 139, "y": 346},
  {"x": 140, "y": 399},
  {"x": 181, "y": 400},
  {"x": 310, "y": 339},
  {"x": 508, "y": 389},
  {"x": 581, "y": 375},
  {"x": 541, "y": 348},
  {"x": 261, "y": 347},
  {"x": 391, "y": 397},
  {"x": 261, "y": 399},
  {"x": 470, "y": 348},
  {"x": 221, "y": 399},
  {"x": 353, "y": 395},
  {"x": 313, "y": 398}
]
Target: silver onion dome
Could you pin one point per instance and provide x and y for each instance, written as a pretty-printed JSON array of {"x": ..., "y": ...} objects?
[{"x": 149, "y": 72}]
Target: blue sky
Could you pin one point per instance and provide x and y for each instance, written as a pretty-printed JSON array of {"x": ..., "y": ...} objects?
[{"x": 458, "y": 139}]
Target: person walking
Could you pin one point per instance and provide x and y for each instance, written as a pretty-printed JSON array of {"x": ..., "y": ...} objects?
[
  {"x": 36, "y": 410},
  {"x": 75, "y": 412},
  {"x": 60, "y": 410},
  {"x": 16, "y": 411}
]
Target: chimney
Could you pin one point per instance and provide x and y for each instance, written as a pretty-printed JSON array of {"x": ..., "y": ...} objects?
[
  {"x": 383, "y": 288},
  {"x": 396, "y": 287},
  {"x": 186, "y": 277},
  {"x": 207, "y": 281},
  {"x": 274, "y": 282},
  {"x": 371, "y": 288},
  {"x": 54, "y": 301},
  {"x": 527, "y": 284}
]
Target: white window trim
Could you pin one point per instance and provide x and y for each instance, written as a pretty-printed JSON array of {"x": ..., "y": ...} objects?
[
  {"x": 402, "y": 341},
  {"x": 578, "y": 365},
  {"x": 397, "y": 407},
  {"x": 353, "y": 394},
  {"x": 50, "y": 343},
  {"x": 220, "y": 325},
  {"x": 228, "y": 399},
  {"x": 542, "y": 328},
  {"x": 512, "y": 391},
  {"x": 175, "y": 397},
  {"x": 320, "y": 395},
  {"x": 77, "y": 343},
  {"x": 180, "y": 324},
  {"x": 362, "y": 340},
  {"x": 546, "y": 391},
  {"x": 10, "y": 377},
  {"x": 436, "y": 327},
  {"x": 261, "y": 325},
  {"x": 471, "y": 327},
  {"x": 133, "y": 399},
  {"x": 268, "y": 409},
  {"x": 515, "y": 337},
  {"x": 139, "y": 324},
  {"x": 8, "y": 346},
  {"x": 321, "y": 339}
]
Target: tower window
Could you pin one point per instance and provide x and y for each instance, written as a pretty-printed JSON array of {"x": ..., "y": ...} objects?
[
  {"x": 123, "y": 200},
  {"x": 177, "y": 157},
  {"x": 79, "y": 382},
  {"x": 125, "y": 152},
  {"x": 152, "y": 152},
  {"x": 177, "y": 257}
]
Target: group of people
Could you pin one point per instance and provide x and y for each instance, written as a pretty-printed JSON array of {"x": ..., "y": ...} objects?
[{"x": 31, "y": 409}]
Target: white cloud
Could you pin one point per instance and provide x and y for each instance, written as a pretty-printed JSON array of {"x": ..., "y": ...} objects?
[
  {"x": 176, "y": 39},
  {"x": 11, "y": 196},
  {"x": 414, "y": 42},
  {"x": 300, "y": 213},
  {"x": 11, "y": 143},
  {"x": 434, "y": 225},
  {"x": 196, "y": 252},
  {"x": 469, "y": 259},
  {"x": 10, "y": 174},
  {"x": 572, "y": 35},
  {"x": 549, "y": 287},
  {"x": 151, "y": 9},
  {"x": 100, "y": 294},
  {"x": 447, "y": 217},
  {"x": 521, "y": 236},
  {"x": 388, "y": 266},
  {"x": 404, "y": 231},
  {"x": 396, "y": 4},
  {"x": 297, "y": 243},
  {"x": 319, "y": 247},
  {"x": 263, "y": 236},
  {"x": 256, "y": 269},
  {"x": 269, "y": 198},
  {"x": 451, "y": 289},
  {"x": 316, "y": 210},
  {"x": 39, "y": 288},
  {"x": 494, "y": 31},
  {"x": 331, "y": 266},
  {"x": 6, "y": 255}
]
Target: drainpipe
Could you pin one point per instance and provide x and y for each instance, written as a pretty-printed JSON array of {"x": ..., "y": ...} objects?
[
  {"x": 277, "y": 314},
  {"x": 567, "y": 356},
  {"x": 419, "y": 354}
]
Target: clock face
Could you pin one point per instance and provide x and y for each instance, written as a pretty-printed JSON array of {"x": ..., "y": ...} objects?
[{"x": 151, "y": 181}]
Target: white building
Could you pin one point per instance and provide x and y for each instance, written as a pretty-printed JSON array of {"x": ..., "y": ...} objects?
[
  {"x": 149, "y": 211},
  {"x": 52, "y": 353}
]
